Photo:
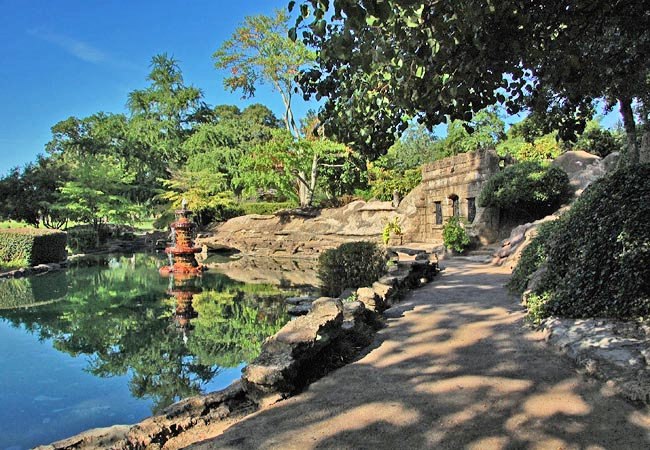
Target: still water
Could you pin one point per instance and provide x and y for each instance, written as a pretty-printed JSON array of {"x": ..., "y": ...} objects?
[{"x": 108, "y": 342}]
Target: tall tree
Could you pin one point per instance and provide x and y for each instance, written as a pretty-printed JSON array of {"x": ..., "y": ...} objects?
[
  {"x": 162, "y": 115},
  {"x": 384, "y": 62},
  {"x": 258, "y": 52}
]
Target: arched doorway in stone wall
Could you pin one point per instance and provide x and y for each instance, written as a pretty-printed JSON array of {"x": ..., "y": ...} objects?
[{"x": 455, "y": 205}]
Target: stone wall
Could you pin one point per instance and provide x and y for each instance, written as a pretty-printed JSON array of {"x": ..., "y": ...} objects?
[{"x": 449, "y": 186}]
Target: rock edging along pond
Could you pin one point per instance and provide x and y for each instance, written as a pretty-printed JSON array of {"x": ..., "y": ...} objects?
[{"x": 305, "y": 349}]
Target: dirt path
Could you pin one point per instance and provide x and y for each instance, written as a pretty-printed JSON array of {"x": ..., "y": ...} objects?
[{"x": 456, "y": 368}]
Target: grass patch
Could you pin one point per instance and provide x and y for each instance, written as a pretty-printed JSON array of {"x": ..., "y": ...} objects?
[{"x": 12, "y": 224}]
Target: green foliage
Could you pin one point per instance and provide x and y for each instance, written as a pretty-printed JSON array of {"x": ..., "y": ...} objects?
[
  {"x": 97, "y": 192},
  {"x": 162, "y": 115},
  {"x": 384, "y": 182},
  {"x": 82, "y": 239},
  {"x": 598, "y": 141},
  {"x": 598, "y": 254},
  {"x": 350, "y": 265},
  {"x": 34, "y": 246},
  {"x": 543, "y": 148},
  {"x": 265, "y": 208},
  {"x": 287, "y": 165},
  {"x": 527, "y": 190},
  {"x": 391, "y": 227},
  {"x": 454, "y": 235},
  {"x": 340, "y": 173},
  {"x": 259, "y": 51},
  {"x": 414, "y": 148},
  {"x": 29, "y": 194},
  {"x": 13, "y": 264},
  {"x": 537, "y": 305},
  {"x": 484, "y": 131},
  {"x": 205, "y": 194},
  {"x": 531, "y": 258},
  {"x": 382, "y": 63}
]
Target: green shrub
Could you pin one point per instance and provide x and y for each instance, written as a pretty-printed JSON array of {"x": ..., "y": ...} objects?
[
  {"x": 528, "y": 190},
  {"x": 32, "y": 245},
  {"x": 598, "y": 255},
  {"x": 384, "y": 182},
  {"x": 598, "y": 141},
  {"x": 351, "y": 265},
  {"x": 265, "y": 208},
  {"x": 537, "y": 305},
  {"x": 532, "y": 256},
  {"x": 454, "y": 235},
  {"x": 82, "y": 239},
  {"x": 391, "y": 227}
]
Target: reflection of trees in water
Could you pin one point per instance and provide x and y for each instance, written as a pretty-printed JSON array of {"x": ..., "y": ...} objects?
[
  {"x": 232, "y": 324},
  {"x": 119, "y": 314}
]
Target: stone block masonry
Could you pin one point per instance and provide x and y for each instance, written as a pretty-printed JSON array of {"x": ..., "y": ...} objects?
[{"x": 451, "y": 187}]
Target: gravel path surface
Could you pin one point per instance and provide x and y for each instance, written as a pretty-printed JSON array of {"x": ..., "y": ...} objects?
[{"x": 456, "y": 368}]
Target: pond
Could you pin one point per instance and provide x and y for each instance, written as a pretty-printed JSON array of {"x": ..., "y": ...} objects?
[{"x": 109, "y": 341}]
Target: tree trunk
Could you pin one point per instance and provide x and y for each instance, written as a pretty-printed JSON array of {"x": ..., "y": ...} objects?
[
  {"x": 631, "y": 156},
  {"x": 314, "y": 177},
  {"x": 644, "y": 150},
  {"x": 303, "y": 191}
]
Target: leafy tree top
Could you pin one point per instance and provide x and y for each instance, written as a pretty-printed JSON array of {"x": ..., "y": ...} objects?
[
  {"x": 260, "y": 51},
  {"x": 382, "y": 63}
]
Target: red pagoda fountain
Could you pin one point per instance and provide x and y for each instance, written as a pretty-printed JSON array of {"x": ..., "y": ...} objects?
[{"x": 181, "y": 255}]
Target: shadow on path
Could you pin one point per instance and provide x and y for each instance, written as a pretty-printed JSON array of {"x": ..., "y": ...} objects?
[{"x": 456, "y": 367}]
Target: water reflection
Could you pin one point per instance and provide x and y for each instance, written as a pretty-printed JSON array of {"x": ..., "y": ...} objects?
[{"x": 169, "y": 340}]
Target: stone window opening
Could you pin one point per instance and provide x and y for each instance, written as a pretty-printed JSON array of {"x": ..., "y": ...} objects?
[
  {"x": 438, "y": 206},
  {"x": 471, "y": 209}
]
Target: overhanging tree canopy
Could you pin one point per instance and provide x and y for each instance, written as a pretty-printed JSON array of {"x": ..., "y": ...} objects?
[{"x": 384, "y": 62}]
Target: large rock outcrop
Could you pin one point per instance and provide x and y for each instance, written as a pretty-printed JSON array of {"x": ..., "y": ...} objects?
[{"x": 299, "y": 234}]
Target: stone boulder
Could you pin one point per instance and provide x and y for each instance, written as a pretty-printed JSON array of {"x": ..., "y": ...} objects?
[{"x": 280, "y": 370}]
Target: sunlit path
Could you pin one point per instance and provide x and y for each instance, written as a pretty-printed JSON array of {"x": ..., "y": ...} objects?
[{"x": 456, "y": 367}]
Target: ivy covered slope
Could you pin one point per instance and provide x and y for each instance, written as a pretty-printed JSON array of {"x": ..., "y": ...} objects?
[
  {"x": 529, "y": 190},
  {"x": 597, "y": 254},
  {"x": 33, "y": 246}
]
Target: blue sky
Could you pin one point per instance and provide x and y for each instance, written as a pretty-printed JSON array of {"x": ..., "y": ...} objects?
[{"x": 77, "y": 57}]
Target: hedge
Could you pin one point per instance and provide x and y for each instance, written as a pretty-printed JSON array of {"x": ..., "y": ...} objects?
[
  {"x": 33, "y": 245},
  {"x": 265, "y": 208},
  {"x": 598, "y": 253},
  {"x": 532, "y": 257},
  {"x": 350, "y": 265}
]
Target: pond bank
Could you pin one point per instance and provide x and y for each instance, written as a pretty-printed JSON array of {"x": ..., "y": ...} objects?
[{"x": 330, "y": 336}]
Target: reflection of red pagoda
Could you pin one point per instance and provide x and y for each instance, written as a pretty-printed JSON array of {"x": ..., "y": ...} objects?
[
  {"x": 183, "y": 287},
  {"x": 182, "y": 253}
]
